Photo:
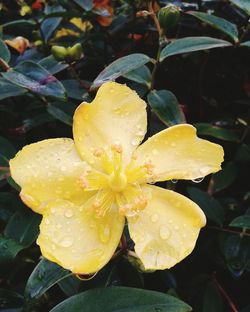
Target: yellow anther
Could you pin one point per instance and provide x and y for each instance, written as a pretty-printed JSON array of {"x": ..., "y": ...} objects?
[
  {"x": 83, "y": 181},
  {"x": 98, "y": 152},
  {"x": 116, "y": 148},
  {"x": 149, "y": 167}
]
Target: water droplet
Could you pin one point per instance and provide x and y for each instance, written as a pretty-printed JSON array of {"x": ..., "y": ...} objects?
[
  {"x": 174, "y": 181},
  {"x": 68, "y": 213},
  {"x": 198, "y": 180},
  {"x": 135, "y": 142},
  {"x": 176, "y": 227},
  {"x": 66, "y": 242},
  {"x": 47, "y": 221},
  {"x": 59, "y": 226},
  {"x": 155, "y": 152},
  {"x": 154, "y": 218},
  {"x": 63, "y": 168},
  {"x": 112, "y": 90},
  {"x": 164, "y": 232},
  {"x": 105, "y": 234}
]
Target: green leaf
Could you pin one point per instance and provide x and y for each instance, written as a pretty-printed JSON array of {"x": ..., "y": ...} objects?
[
  {"x": 49, "y": 25},
  {"x": 210, "y": 206},
  {"x": 8, "y": 204},
  {"x": 59, "y": 114},
  {"x": 85, "y": 4},
  {"x": 245, "y": 44},
  {"x": 19, "y": 24},
  {"x": 10, "y": 300},
  {"x": 242, "y": 4},
  {"x": 241, "y": 222},
  {"x": 7, "y": 151},
  {"x": 216, "y": 132},
  {"x": 213, "y": 302},
  {"x": 52, "y": 65},
  {"x": 122, "y": 299},
  {"x": 243, "y": 153},
  {"x": 35, "y": 78},
  {"x": 219, "y": 23},
  {"x": 224, "y": 178},
  {"x": 45, "y": 275},
  {"x": 74, "y": 89},
  {"x": 141, "y": 75},
  {"x": 70, "y": 285},
  {"x": 9, "y": 248},
  {"x": 4, "y": 52},
  {"x": 23, "y": 226},
  {"x": 37, "y": 120},
  {"x": 191, "y": 44},
  {"x": 8, "y": 89},
  {"x": 165, "y": 105},
  {"x": 120, "y": 67}
]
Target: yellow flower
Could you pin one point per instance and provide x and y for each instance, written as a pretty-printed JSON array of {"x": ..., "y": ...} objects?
[
  {"x": 85, "y": 188},
  {"x": 79, "y": 23}
]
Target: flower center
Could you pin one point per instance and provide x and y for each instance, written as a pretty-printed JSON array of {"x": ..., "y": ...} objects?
[{"x": 117, "y": 181}]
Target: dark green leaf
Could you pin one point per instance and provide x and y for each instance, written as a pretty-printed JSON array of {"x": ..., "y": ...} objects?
[
  {"x": 35, "y": 78},
  {"x": 19, "y": 24},
  {"x": 216, "y": 132},
  {"x": 191, "y": 44},
  {"x": 52, "y": 65},
  {"x": 9, "y": 248},
  {"x": 245, "y": 44},
  {"x": 37, "y": 120},
  {"x": 213, "y": 302},
  {"x": 85, "y": 4},
  {"x": 241, "y": 222},
  {"x": 165, "y": 105},
  {"x": 120, "y": 67},
  {"x": 10, "y": 299},
  {"x": 224, "y": 178},
  {"x": 74, "y": 89},
  {"x": 23, "y": 226},
  {"x": 243, "y": 4},
  {"x": 243, "y": 153},
  {"x": 141, "y": 75},
  {"x": 211, "y": 207},
  {"x": 4, "y": 52},
  {"x": 122, "y": 299},
  {"x": 219, "y": 23},
  {"x": 45, "y": 275},
  {"x": 70, "y": 285},
  {"x": 8, "y": 89},
  {"x": 59, "y": 114},
  {"x": 49, "y": 25},
  {"x": 8, "y": 204},
  {"x": 7, "y": 151}
]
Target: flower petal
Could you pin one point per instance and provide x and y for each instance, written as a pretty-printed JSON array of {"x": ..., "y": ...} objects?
[
  {"x": 177, "y": 153},
  {"x": 117, "y": 115},
  {"x": 166, "y": 231},
  {"x": 73, "y": 237},
  {"x": 48, "y": 170}
]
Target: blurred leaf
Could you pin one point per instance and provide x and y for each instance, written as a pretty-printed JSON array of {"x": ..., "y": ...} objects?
[
  {"x": 49, "y": 25},
  {"x": 7, "y": 151},
  {"x": 9, "y": 248},
  {"x": 222, "y": 179},
  {"x": 216, "y": 132},
  {"x": 117, "y": 299},
  {"x": 70, "y": 285},
  {"x": 4, "y": 52},
  {"x": 219, "y": 23},
  {"x": 237, "y": 253},
  {"x": 52, "y": 65},
  {"x": 8, "y": 89},
  {"x": 213, "y": 302},
  {"x": 120, "y": 67},
  {"x": 74, "y": 89},
  {"x": 37, "y": 120},
  {"x": 23, "y": 226},
  {"x": 18, "y": 24},
  {"x": 245, "y": 44},
  {"x": 85, "y": 4},
  {"x": 45, "y": 275},
  {"x": 191, "y": 44},
  {"x": 8, "y": 204},
  {"x": 243, "y": 153},
  {"x": 243, "y": 4},
  {"x": 165, "y": 105},
  {"x": 241, "y": 222},
  {"x": 59, "y": 114},
  {"x": 10, "y": 300},
  {"x": 210, "y": 206},
  {"x": 141, "y": 75},
  {"x": 35, "y": 78}
]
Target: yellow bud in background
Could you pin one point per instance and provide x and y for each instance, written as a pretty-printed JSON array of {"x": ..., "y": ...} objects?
[
  {"x": 75, "y": 52},
  {"x": 168, "y": 17},
  {"x": 59, "y": 53},
  {"x": 25, "y": 9}
]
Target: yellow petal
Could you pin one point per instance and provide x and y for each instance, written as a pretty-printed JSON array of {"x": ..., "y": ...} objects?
[
  {"x": 48, "y": 170},
  {"x": 117, "y": 116},
  {"x": 177, "y": 153},
  {"x": 73, "y": 237},
  {"x": 166, "y": 231}
]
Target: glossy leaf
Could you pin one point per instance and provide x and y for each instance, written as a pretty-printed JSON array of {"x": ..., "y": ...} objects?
[
  {"x": 122, "y": 299},
  {"x": 165, "y": 105},
  {"x": 45, "y": 275},
  {"x": 120, "y": 67},
  {"x": 52, "y": 65},
  {"x": 216, "y": 132},
  {"x": 85, "y": 4},
  {"x": 9, "y": 248},
  {"x": 243, "y": 4},
  {"x": 141, "y": 75},
  {"x": 245, "y": 44},
  {"x": 49, "y": 25},
  {"x": 19, "y": 23},
  {"x": 23, "y": 226},
  {"x": 210, "y": 206},
  {"x": 8, "y": 89},
  {"x": 213, "y": 302},
  {"x": 243, "y": 153},
  {"x": 219, "y": 23},
  {"x": 241, "y": 222},
  {"x": 59, "y": 114},
  {"x": 74, "y": 89},
  {"x": 7, "y": 151},
  {"x": 38, "y": 120},
  {"x": 70, "y": 285},
  {"x": 191, "y": 44},
  {"x": 35, "y": 78},
  {"x": 4, "y": 52}
]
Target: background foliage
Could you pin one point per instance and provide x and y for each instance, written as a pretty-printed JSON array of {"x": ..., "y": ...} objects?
[{"x": 53, "y": 55}]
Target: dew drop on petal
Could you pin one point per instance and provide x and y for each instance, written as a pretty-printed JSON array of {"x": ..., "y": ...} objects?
[
  {"x": 135, "y": 142},
  {"x": 104, "y": 234},
  {"x": 68, "y": 213},
  {"x": 155, "y": 152},
  {"x": 164, "y": 232},
  {"x": 47, "y": 221},
  {"x": 174, "y": 181},
  {"x": 198, "y": 180},
  {"x": 154, "y": 218},
  {"x": 66, "y": 242}
]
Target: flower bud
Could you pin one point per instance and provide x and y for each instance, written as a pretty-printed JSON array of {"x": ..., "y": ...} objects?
[
  {"x": 168, "y": 16},
  {"x": 59, "y": 53},
  {"x": 75, "y": 52}
]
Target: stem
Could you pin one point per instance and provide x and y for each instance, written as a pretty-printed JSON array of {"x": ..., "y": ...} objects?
[
  {"x": 225, "y": 294},
  {"x": 241, "y": 233},
  {"x": 75, "y": 75}
]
